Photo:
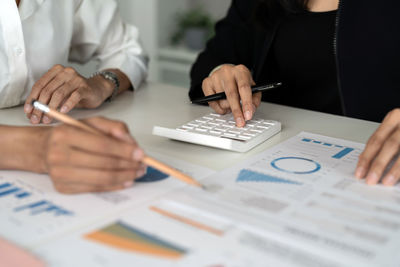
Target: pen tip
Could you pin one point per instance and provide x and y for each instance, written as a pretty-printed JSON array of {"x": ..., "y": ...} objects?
[{"x": 33, "y": 102}]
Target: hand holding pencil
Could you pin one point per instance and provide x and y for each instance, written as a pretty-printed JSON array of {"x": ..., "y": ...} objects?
[{"x": 96, "y": 155}]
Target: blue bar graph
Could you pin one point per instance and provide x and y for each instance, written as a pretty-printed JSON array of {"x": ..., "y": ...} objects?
[
  {"x": 343, "y": 153},
  {"x": 339, "y": 155},
  {"x": 43, "y": 207},
  {"x": 7, "y": 189},
  {"x": 23, "y": 195},
  {"x": 9, "y": 192},
  {"x": 251, "y": 176},
  {"x": 5, "y": 185}
]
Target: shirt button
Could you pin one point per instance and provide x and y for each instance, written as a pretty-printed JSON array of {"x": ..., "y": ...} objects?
[{"x": 18, "y": 51}]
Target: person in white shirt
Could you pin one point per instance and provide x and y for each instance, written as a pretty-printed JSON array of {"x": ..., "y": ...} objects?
[{"x": 37, "y": 39}]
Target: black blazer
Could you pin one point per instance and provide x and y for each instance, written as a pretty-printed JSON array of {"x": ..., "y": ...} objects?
[{"x": 367, "y": 45}]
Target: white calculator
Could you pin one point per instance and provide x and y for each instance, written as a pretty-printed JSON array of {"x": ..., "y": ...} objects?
[{"x": 220, "y": 131}]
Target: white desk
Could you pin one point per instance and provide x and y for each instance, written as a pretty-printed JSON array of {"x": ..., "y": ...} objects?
[
  {"x": 157, "y": 104},
  {"x": 163, "y": 105}
]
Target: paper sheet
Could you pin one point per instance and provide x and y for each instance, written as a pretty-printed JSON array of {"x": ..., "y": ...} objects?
[
  {"x": 32, "y": 212},
  {"x": 296, "y": 204}
]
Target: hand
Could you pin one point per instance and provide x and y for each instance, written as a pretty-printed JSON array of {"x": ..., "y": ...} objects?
[
  {"x": 78, "y": 161},
  {"x": 236, "y": 82},
  {"x": 381, "y": 149},
  {"x": 64, "y": 88}
]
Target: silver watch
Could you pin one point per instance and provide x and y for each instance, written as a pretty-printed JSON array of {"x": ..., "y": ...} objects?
[{"x": 111, "y": 76}]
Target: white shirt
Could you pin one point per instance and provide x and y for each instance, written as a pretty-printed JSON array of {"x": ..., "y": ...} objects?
[{"x": 42, "y": 33}]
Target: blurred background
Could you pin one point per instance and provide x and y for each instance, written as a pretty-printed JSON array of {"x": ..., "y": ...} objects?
[{"x": 172, "y": 32}]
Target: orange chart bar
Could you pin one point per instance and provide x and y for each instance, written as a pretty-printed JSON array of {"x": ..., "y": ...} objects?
[{"x": 187, "y": 221}]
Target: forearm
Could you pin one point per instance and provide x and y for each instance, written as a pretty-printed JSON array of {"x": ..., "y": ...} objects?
[{"x": 21, "y": 148}]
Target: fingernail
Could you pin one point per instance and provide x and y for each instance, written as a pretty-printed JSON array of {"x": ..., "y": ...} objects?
[
  {"x": 34, "y": 119},
  {"x": 46, "y": 119},
  {"x": 372, "y": 179},
  {"x": 390, "y": 180},
  {"x": 28, "y": 108},
  {"x": 359, "y": 172},
  {"x": 239, "y": 122},
  {"x": 64, "y": 109},
  {"x": 247, "y": 115},
  {"x": 138, "y": 154},
  {"x": 128, "y": 184}
]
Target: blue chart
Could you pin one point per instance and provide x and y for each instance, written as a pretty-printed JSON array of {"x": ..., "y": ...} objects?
[
  {"x": 43, "y": 207},
  {"x": 152, "y": 175},
  {"x": 7, "y": 189},
  {"x": 251, "y": 176},
  {"x": 296, "y": 165},
  {"x": 35, "y": 207},
  {"x": 343, "y": 151}
]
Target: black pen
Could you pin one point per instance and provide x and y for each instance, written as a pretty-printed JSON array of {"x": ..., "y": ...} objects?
[{"x": 222, "y": 95}]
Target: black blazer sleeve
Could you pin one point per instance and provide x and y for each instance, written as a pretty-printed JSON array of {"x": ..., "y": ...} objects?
[{"x": 233, "y": 43}]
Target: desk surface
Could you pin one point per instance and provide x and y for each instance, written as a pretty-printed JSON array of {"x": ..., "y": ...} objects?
[{"x": 163, "y": 105}]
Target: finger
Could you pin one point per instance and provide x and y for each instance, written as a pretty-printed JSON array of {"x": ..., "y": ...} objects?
[
  {"x": 217, "y": 82},
  {"x": 243, "y": 80},
  {"x": 102, "y": 145},
  {"x": 393, "y": 175},
  {"x": 92, "y": 177},
  {"x": 59, "y": 96},
  {"x": 116, "y": 129},
  {"x": 233, "y": 98},
  {"x": 81, "y": 159},
  {"x": 39, "y": 85},
  {"x": 257, "y": 100},
  {"x": 375, "y": 143},
  {"x": 384, "y": 157},
  {"x": 57, "y": 84},
  {"x": 73, "y": 100},
  {"x": 208, "y": 89}
]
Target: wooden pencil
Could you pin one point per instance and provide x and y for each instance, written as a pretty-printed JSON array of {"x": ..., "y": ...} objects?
[{"x": 146, "y": 160}]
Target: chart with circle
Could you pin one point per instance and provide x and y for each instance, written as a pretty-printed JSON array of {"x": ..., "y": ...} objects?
[{"x": 296, "y": 165}]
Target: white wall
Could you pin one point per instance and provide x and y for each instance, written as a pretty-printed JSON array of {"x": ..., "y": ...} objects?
[{"x": 155, "y": 20}]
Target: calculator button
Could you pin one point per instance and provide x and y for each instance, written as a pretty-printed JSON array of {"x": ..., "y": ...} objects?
[
  {"x": 256, "y": 131},
  {"x": 262, "y": 127},
  {"x": 245, "y": 137},
  {"x": 208, "y": 118},
  {"x": 216, "y": 132},
  {"x": 234, "y": 132},
  {"x": 201, "y": 130},
  {"x": 215, "y": 115},
  {"x": 200, "y": 121},
  {"x": 229, "y": 135},
  {"x": 187, "y": 127}
]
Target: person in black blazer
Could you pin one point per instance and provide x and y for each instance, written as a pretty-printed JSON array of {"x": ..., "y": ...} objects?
[{"x": 335, "y": 56}]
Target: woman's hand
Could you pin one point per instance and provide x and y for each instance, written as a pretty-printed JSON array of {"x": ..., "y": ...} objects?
[
  {"x": 236, "y": 82},
  {"x": 382, "y": 148},
  {"x": 78, "y": 161},
  {"x": 64, "y": 88}
]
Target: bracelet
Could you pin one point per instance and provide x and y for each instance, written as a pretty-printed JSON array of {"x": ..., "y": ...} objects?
[{"x": 111, "y": 76}]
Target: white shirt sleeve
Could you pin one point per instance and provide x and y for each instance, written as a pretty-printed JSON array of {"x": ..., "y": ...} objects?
[{"x": 99, "y": 33}]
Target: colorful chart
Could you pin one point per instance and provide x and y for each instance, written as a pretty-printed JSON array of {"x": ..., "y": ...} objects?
[
  {"x": 251, "y": 176},
  {"x": 152, "y": 175},
  {"x": 128, "y": 238},
  {"x": 296, "y": 165},
  {"x": 344, "y": 151}
]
